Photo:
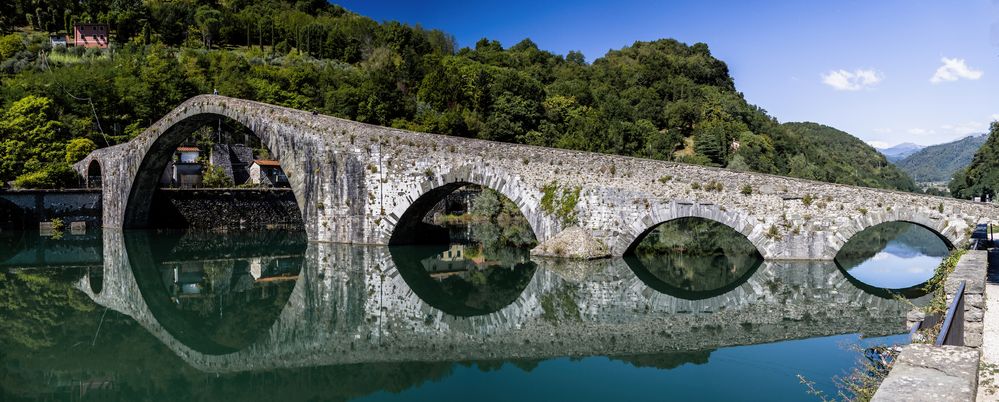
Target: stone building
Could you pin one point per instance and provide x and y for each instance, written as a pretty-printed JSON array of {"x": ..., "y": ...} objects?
[{"x": 234, "y": 159}]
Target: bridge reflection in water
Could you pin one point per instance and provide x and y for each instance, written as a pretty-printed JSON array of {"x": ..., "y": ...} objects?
[{"x": 332, "y": 304}]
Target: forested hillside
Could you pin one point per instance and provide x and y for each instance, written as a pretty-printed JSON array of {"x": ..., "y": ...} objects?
[
  {"x": 662, "y": 99},
  {"x": 981, "y": 178},
  {"x": 828, "y": 154},
  {"x": 940, "y": 162}
]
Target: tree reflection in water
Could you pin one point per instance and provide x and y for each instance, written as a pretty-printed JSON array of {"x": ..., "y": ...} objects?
[
  {"x": 694, "y": 258},
  {"x": 484, "y": 266},
  {"x": 217, "y": 293}
]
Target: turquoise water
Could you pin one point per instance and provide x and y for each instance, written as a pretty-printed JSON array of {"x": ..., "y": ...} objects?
[
  {"x": 145, "y": 315},
  {"x": 766, "y": 372}
]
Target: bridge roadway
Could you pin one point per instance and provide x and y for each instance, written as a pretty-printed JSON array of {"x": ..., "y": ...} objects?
[
  {"x": 364, "y": 184},
  {"x": 351, "y": 304}
]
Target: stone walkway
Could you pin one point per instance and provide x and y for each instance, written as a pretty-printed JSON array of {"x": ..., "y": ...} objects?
[{"x": 988, "y": 375}]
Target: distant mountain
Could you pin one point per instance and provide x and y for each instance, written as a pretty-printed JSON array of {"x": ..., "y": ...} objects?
[
  {"x": 828, "y": 154},
  {"x": 900, "y": 151},
  {"x": 940, "y": 162}
]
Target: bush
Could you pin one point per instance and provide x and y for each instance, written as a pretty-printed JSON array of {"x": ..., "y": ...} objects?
[
  {"x": 56, "y": 175},
  {"x": 79, "y": 148},
  {"x": 746, "y": 190},
  {"x": 215, "y": 177},
  {"x": 10, "y": 45}
]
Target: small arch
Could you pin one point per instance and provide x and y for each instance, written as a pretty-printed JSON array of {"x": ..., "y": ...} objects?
[
  {"x": 693, "y": 258},
  {"x": 499, "y": 285},
  {"x": 939, "y": 227},
  {"x": 410, "y": 228},
  {"x": 95, "y": 276},
  {"x": 94, "y": 177},
  {"x": 895, "y": 256},
  {"x": 633, "y": 234}
]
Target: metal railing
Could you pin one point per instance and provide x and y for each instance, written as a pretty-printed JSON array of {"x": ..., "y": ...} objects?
[{"x": 952, "y": 332}]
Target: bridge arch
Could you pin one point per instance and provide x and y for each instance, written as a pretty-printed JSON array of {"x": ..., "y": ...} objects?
[
  {"x": 952, "y": 232},
  {"x": 158, "y": 144},
  {"x": 632, "y": 234},
  {"x": 410, "y": 208},
  {"x": 94, "y": 176}
]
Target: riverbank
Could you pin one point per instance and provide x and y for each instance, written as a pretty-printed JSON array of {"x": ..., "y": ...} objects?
[{"x": 923, "y": 372}]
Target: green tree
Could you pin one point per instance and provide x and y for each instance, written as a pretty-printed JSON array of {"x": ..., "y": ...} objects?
[
  {"x": 209, "y": 20},
  {"x": 79, "y": 148},
  {"x": 52, "y": 176},
  {"x": 30, "y": 135},
  {"x": 981, "y": 177},
  {"x": 215, "y": 177}
]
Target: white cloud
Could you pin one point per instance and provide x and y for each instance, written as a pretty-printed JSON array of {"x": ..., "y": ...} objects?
[
  {"x": 953, "y": 70},
  {"x": 966, "y": 128},
  {"x": 878, "y": 144},
  {"x": 842, "y": 80},
  {"x": 995, "y": 117},
  {"x": 920, "y": 131}
]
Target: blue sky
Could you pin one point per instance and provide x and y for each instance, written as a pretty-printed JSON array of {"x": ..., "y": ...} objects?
[{"x": 886, "y": 71}]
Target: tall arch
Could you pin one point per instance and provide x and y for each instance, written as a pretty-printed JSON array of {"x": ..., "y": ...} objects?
[{"x": 160, "y": 142}]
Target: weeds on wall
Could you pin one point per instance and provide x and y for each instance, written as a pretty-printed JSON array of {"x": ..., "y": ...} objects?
[{"x": 561, "y": 202}]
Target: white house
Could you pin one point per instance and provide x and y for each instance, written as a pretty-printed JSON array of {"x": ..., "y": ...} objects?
[{"x": 268, "y": 173}]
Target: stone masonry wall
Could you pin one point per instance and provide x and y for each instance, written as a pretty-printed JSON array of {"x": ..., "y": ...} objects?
[
  {"x": 355, "y": 181},
  {"x": 226, "y": 209}
]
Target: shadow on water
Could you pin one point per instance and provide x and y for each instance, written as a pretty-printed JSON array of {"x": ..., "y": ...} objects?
[
  {"x": 693, "y": 258},
  {"x": 893, "y": 258},
  {"x": 215, "y": 293}
]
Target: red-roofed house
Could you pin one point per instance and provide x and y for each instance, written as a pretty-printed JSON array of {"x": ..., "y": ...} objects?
[
  {"x": 91, "y": 35},
  {"x": 268, "y": 173}
]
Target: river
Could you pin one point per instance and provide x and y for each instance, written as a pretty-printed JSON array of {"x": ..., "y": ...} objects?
[{"x": 692, "y": 314}]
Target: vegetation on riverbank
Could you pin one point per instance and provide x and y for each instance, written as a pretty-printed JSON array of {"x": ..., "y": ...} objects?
[{"x": 661, "y": 99}]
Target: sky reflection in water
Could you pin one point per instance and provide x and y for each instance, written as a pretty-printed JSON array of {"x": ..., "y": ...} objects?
[{"x": 894, "y": 255}]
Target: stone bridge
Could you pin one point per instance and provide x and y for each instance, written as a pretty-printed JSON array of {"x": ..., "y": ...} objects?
[
  {"x": 351, "y": 305},
  {"x": 363, "y": 184}
]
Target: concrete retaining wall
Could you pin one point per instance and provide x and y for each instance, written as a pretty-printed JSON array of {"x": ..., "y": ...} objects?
[{"x": 24, "y": 209}]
